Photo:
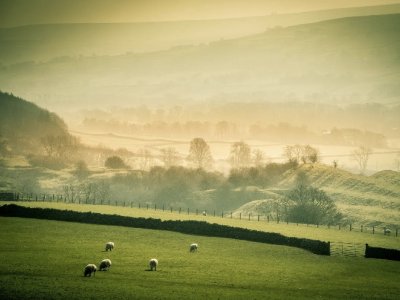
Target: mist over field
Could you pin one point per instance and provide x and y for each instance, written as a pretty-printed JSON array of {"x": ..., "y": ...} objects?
[{"x": 256, "y": 90}]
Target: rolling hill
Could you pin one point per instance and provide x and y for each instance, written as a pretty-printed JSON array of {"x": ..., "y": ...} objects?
[
  {"x": 348, "y": 60},
  {"x": 372, "y": 200},
  {"x": 47, "y": 41}
]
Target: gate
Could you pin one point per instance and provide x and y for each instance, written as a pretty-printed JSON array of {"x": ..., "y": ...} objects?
[{"x": 347, "y": 249}]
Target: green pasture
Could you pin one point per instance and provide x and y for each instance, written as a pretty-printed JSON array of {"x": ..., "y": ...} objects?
[
  {"x": 45, "y": 260},
  {"x": 323, "y": 233}
]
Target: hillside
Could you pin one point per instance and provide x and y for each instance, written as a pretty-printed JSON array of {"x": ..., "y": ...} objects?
[
  {"x": 48, "y": 41},
  {"x": 343, "y": 60},
  {"x": 23, "y": 124},
  {"x": 368, "y": 200}
]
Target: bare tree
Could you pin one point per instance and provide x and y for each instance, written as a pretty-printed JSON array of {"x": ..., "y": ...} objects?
[
  {"x": 293, "y": 153},
  {"x": 258, "y": 157},
  {"x": 240, "y": 156},
  {"x": 361, "y": 156},
  {"x": 309, "y": 154},
  {"x": 170, "y": 157},
  {"x": 397, "y": 162},
  {"x": 200, "y": 154},
  {"x": 61, "y": 146},
  {"x": 145, "y": 159}
]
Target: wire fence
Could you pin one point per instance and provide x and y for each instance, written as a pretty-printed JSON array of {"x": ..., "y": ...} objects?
[{"x": 390, "y": 231}]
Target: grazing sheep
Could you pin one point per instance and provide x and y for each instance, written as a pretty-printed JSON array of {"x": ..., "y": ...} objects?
[
  {"x": 153, "y": 263},
  {"x": 89, "y": 270},
  {"x": 204, "y": 213},
  {"x": 193, "y": 247},
  {"x": 109, "y": 246},
  {"x": 386, "y": 231},
  {"x": 105, "y": 265}
]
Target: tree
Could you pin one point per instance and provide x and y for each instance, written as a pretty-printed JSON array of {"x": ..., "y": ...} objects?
[
  {"x": 361, "y": 156},
  {"x": 60, "y": 146},
  {"x": 240, "y": 156},
  {"x": 258, "y": 158},
  {"x": 145, "y": 159},
  {"x": 293, "y": 153},
  {"x": 200, "y": 154},
  {"x": 81, "y": 170},
  {"x": 170, "y": 157},
  {"x": 115, "y": 162},
  {"x": 309, "y": 154},
  {"x": 306, "y": 204}
]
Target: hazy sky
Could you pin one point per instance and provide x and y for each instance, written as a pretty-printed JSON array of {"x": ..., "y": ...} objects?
[{"x": 23, "y": 12}]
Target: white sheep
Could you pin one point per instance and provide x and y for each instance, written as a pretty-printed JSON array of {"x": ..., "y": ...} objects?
[
  {"x": 204, "y": 213},
  {"x": 109, "y": 246},
  {"x": 386, "y": 231},
  {"x": 193, "y": 247},
  {"x": 105, "y": 265},
  {"x": 89, "y": 270},
  {"x": 153, "y": 263}
]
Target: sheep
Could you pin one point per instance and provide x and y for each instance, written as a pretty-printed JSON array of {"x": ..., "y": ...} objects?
[
  {"x": 105, "y": 265},
  {"x": 153, "y": 263},
  {"x": 109, "y": 246},
  {"x": 89, "y": 270},
  {"x": 204, "y": 213},
  {"x": 386, "y": 231},
  {"x": 193, "y": 247}
]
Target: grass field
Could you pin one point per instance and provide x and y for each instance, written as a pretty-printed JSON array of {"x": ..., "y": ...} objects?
[
  {"x": 45, "y": 260},
  {"x": 321, "y": 233}
]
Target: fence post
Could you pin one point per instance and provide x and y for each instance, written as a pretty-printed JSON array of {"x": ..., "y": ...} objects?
[
  {"x": 222, "y": 214},
  {"x": 231, "y": 215},
  {"x": 350, "y": 227},
  {"x": 179, "y": 210},
  {"x": 277, "y": 220},
  {"x": 397, "y": 231},
  {"x": 249, "y": 216},
  {"x": 147, "y": 206},
  {"x": 258, "y": 218},
  {"x": 373, "y": 229},
  {"x": 171, "y": 208},
  {"x": 131, "y": 204},
  {"x": 339, "y": 226},
  {"x": 362, "y": 228},
  {"x": 155, "y": 206},
  {"x": 197, "y": 211},
  {"x": 116, "y": 203}
]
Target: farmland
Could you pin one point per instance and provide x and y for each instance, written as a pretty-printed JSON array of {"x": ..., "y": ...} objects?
[{"x": 45, "y": 259}]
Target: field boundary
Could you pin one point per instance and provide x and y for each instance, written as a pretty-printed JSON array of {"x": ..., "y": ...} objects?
[{"x": 187, "y": 227}]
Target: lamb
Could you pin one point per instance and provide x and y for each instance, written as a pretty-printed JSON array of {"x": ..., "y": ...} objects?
[
  {"x": 105, "y": 264},
  {"x": 386, "y": 231},
  {"x": 109, "y": 246},
  {"x": 89, "y": 270},
  {"x": 153, "y": 263},
  {"x": 193, "y": 247}
]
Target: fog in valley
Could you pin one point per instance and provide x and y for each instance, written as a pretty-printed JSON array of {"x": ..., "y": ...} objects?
[{"x": 206, "y": 110}]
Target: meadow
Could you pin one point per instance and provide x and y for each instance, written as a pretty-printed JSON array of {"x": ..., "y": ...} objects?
[{"x": 45, "y": 260}]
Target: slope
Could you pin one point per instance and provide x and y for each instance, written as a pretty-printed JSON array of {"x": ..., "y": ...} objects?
[
  {"x": 47, "y": 41},
  {"x": 352, "y": 59}
]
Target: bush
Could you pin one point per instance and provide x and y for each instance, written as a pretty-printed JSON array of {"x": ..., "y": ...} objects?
[{"x": 115, "y": 162}]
